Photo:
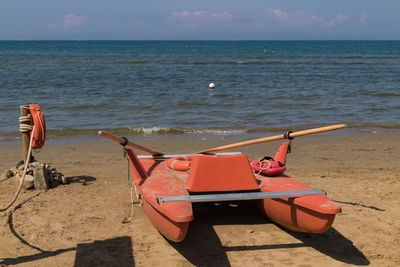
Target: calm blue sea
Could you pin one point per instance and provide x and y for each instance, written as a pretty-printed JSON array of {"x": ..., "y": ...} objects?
[{"x": 153, "y": 88}]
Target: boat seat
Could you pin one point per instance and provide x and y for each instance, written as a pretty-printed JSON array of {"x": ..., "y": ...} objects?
[{"x": 210, "y": 173}]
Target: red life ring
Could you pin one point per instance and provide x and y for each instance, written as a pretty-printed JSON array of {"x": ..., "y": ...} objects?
[
  {"x": 39, "y": 125},
  {"x": 181, "y": 163}
]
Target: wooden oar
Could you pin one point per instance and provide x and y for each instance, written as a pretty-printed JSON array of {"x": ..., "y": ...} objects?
[
  {"x": 276, "y": 137},
  {"x": 123, "y": 141}
]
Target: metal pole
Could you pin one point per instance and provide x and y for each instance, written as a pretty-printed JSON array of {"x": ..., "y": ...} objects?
[
  {"x": 183, "y": 155},
  {"x": 240, "y": 196}
]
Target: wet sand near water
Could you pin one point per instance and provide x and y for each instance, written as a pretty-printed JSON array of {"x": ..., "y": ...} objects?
[{"x": 81, "y": 223}]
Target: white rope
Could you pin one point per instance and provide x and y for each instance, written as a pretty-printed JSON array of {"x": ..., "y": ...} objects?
[
  {"x": 133, "y": 187},
  {"x": 25, "y": 123},
  {"x": 260, "y": 163},
  {"x": 43, "y": 137},
  {"x": 138, "y": 197},
  {"x": 23, "y": 176},
  {"x": 41, "y": 125},
  {"x": 139, "y": 200}
]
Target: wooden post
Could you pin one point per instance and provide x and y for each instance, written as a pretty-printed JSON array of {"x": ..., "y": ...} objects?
[{"x": 25, "y": 135}]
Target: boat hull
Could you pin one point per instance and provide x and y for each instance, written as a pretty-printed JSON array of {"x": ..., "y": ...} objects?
[
  {"x": 174, "y": 231},
  {"x": 294, "y": 217},
  {"x": 153, "y": 179},
  {"x": 313, "y": 214}
]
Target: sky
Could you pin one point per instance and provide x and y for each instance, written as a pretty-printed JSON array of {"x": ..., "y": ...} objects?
[{"x": 200, "y": 20}]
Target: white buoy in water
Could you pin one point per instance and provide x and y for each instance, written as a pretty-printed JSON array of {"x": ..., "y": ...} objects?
[{"x": 211, "y": 86}]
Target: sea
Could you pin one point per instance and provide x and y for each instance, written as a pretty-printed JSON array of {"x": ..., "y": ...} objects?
[{"x": 160, "y": 89}]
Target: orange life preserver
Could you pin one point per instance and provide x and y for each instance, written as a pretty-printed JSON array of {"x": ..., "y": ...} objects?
[
  {"x": 181, "y": 163},
  {"x": 39, "y": 125}
]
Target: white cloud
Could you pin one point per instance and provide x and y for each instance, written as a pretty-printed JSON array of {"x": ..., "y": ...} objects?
[
  {"x": 278, "y": 14},
  {"x": 339, "y": 19},
  {"x": 201, "y": 19},
  {"x": 364, "y": 18},
  {"x": 202, "y": 15},
  {"x": 72, "y": 20},
  {"x": 295, "y": 19}
]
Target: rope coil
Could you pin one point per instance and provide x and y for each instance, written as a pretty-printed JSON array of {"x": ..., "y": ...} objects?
[
  {"x": 265, "y": 167},
  {"x": 25, "y": 123}
]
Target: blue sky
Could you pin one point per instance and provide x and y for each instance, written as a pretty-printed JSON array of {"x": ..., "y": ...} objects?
[{"x": 199, "y": 20}]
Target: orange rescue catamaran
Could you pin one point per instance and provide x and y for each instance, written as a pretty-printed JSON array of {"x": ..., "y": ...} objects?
[{"x": 169, "y": 184}]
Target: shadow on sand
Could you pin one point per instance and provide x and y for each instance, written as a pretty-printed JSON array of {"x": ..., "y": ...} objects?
[
  {"x": 80, "y": 179},
  {"x": 202, "y": 244},
  {"x": 359, "y": 205},
  {"x": 110, "y": 252}
]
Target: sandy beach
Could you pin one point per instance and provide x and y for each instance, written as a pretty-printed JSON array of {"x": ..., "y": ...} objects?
[{"x": 82, "y": 223}]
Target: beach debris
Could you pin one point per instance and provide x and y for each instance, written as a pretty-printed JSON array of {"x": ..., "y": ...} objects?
[
  {"x": 41, "y": 180},
  {"x": 40, "y": 176},
  {"x": 28, "y": 182},
  {"x": 7, "y": 174},
  {"x": 211, "y": 86},
  {"x": 33, "y": 129}
]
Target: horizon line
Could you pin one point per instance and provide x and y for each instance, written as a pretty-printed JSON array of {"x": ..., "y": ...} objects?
[{"x": 196, "y": 40}]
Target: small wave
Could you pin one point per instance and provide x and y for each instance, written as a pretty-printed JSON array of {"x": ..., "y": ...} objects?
[
  {"x": 283, "y": 129},
  {"x": 353, "y": 63},
  {"x": 228, "y": 62},
  {"x": 147, "y": 131},
  {"x": 153, "y": 130},
  {"x": 387, "y": 95},
  {"x": 9, "y": 139},
  {"x": 161, "y": 130},
  {"x": 327, "y": 63},
  {"x": 137, "y": 62},
  {"x": 375, "y": 125},
  {"x": 380, "y": 94},
  {"x": 216, "y": 132},
  {"x": 370, "y": 57}
]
